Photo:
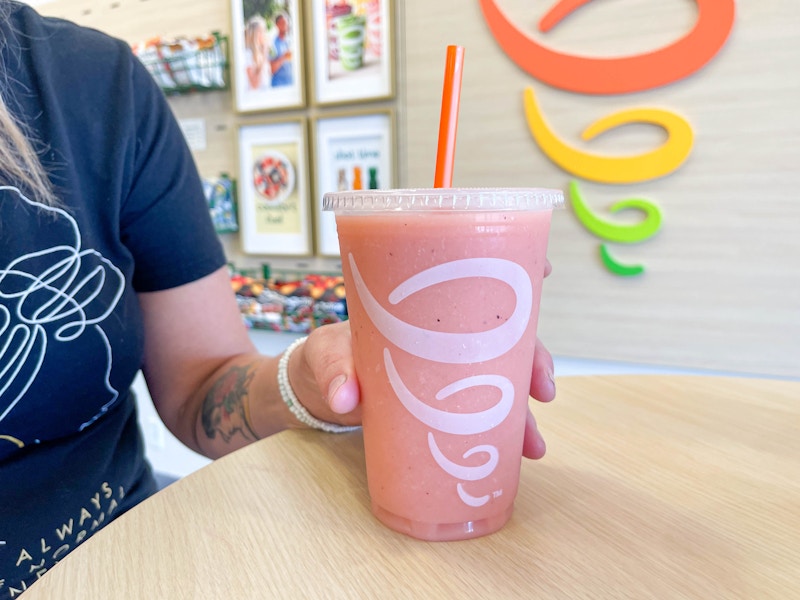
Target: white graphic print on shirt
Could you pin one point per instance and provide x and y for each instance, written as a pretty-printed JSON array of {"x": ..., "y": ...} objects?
[{"x": 50, "y": 295}]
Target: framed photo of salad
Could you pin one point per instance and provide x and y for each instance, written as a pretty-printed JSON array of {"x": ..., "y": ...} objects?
[
  {"x": 353, "y": 46},
  {"x": 274, "y": 214},
  {"x": 267, "y": 55},
  {"x": 352, "y": 151}
]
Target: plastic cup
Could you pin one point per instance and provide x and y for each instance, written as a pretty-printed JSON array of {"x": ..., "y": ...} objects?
[{"x": 443, "y": 290}]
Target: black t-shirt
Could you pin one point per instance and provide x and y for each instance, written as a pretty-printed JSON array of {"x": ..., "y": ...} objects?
[{"x": 132, "y": 219}]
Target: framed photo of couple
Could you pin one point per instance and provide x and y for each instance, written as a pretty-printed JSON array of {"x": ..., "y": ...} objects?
[
  {"x": 267, "y": 55},
  {"x": 352, "y": 151},
  {"x": 353, "y": 46},
  {"x": 274, "y": 207}
]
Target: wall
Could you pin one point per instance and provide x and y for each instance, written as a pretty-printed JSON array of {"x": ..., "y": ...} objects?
[
  {"x": 721, "y": 287},
  {"x": 138, "y": 20},
  {"x": 721, "y": 282}
]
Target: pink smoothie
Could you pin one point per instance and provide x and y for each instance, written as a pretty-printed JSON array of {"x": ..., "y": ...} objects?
[{"x": 443, "y": 307}]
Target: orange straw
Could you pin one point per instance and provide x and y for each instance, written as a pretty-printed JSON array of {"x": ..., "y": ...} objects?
[{"x": 448, "y": 121}]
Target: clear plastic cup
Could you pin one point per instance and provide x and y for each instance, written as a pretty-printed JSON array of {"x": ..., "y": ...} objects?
[{"x": 443, "y": 289}]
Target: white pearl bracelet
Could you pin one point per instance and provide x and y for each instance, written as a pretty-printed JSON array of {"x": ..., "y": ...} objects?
[{"x": 289, "y": 397}]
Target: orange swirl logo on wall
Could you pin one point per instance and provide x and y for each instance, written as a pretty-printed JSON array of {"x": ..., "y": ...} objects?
[{"x": 606, "y": 76}]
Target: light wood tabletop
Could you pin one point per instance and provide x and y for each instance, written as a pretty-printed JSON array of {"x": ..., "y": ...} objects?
[{"x": 654, "y": 486}]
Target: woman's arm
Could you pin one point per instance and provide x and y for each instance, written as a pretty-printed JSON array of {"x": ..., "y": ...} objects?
[
  {"x": 210, "y": 385},
  {"x": 216, "y": 393}
]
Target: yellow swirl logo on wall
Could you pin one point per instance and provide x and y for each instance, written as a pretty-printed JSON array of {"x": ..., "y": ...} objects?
[{"x": 606, "y": 76}]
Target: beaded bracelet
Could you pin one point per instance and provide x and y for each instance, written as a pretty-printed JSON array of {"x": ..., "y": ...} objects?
[{"x": 289, "y": 397}]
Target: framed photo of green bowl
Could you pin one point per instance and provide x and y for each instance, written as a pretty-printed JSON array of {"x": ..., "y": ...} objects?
[{"x": 352, "y": 43}]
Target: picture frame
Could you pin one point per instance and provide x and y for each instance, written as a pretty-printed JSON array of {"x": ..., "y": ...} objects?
[
  {"x": 263, "y": 80},
  {"x": 273, "y": 188},
  {"x": 346, "y": 145},
  {"x": 352, "y": 43}
]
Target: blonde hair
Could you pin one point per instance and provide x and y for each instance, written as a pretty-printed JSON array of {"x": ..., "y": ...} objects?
[
  {"x": 254, "y": 24},
  {"x": 19, "y": 163}
]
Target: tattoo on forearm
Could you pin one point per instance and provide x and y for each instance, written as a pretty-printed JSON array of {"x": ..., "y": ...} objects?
[{"x": 226, "y": 408}]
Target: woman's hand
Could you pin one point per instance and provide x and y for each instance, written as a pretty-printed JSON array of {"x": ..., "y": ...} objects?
[
  {"x": 543, "y": 389},
  {"x": 323, "y": 377}
]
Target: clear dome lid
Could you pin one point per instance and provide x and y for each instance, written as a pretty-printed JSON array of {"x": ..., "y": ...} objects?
[{"x": 433, "y": 199}]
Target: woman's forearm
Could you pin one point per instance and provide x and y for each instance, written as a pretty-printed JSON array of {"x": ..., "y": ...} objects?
[{"x": 239, "y": 404}]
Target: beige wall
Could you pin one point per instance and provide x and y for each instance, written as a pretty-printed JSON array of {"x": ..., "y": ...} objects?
[{"x": 722, "y": 282}]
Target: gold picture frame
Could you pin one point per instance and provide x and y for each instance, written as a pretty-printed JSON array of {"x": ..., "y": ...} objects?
[
  {"x": 274, "y": 207},
  {"x": 268, "y": 56},
  {"x": 352, "y": 53},
  {"x": 348, "y": 146}
]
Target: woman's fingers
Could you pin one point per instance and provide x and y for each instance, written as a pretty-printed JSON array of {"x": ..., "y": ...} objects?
[
  {"x": 533, "y": 445},
  {"x": 543, "y": 389},
  {"x": 543, "y": 386}
]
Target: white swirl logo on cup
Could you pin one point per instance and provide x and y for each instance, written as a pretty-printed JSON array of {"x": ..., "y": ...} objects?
[{"x": 454, "y": 348}]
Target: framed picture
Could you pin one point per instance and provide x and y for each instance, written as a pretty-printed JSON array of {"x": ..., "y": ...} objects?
[
  {"x": 267, "y": 57},
  {"x": 274, "y": 213},
  {"x": 353, "y": 50},
  {"x": 351, "y": 151}
]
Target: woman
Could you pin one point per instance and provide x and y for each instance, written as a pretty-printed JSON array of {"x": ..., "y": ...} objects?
[
  {"x": 108, "y": 265},
  {"x": 256, "y": 44}
]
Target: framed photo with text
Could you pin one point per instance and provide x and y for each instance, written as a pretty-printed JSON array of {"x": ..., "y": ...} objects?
[
  {"x": 351, "y": 151},
  {"x": 353, "y": 50},
  {"x": 267, "y": 60},
  {"x": 274, "y": 213}
]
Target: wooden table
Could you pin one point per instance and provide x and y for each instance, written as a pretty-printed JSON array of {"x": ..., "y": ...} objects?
[{"x": 658, "y": 487}]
